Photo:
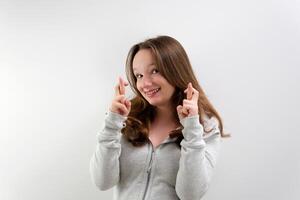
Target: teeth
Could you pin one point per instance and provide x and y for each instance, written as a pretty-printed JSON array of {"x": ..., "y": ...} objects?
[{"x": 152, "y": 91}]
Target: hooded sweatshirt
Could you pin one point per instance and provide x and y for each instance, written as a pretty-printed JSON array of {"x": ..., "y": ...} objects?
[{"x": 167, "y": 172}]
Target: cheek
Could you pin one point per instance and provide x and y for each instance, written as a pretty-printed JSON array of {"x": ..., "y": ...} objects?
[
  {"x": 138, "y": 86},
  {"x": 171, "y": 89}
]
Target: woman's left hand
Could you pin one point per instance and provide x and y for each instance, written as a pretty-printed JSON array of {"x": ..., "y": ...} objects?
[{"x": 190, "y": 104}]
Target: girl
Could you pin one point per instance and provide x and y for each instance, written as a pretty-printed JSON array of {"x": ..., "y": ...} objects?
[{"x": 163, "y": 143}]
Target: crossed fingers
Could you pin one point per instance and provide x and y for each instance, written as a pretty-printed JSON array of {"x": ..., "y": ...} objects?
[{"x": 191, "y": 93}]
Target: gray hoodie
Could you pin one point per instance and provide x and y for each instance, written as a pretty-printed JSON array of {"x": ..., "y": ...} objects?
[{"x": 167, "y": 172}]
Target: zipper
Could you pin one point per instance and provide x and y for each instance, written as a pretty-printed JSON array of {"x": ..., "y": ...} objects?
[
  {"x": 150, "y": 167},
  {"x": 149, "y": 172}
]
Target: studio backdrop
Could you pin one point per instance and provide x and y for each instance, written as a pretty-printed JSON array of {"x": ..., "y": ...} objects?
[{"x": 60, "y": 61}]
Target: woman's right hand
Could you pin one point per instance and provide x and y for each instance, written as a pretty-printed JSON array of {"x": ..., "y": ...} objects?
[{"x": 120, "y": 104}]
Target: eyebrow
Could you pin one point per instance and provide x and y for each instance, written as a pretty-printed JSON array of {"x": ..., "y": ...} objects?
[{"x": 134, "y": 69}]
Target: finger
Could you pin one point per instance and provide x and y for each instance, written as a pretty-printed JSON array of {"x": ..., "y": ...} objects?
[
  {"x": 121, "y": 85},
  {"x": 117, "y": 90},
  {"x": 189, "y": 91},
  {"x": 120, "y": 98},
  {"x": 185, "y": 110},
  {"x": 189, "y": 94},
  {"x": 195, "y": 95},
  {"x": 179, "y": 110},
  {"x": 120, "y": 107},
  {"x": 188, "y": 107},
  {"x": 187, "y": 102},
  {"x": 128, "y": 104}
]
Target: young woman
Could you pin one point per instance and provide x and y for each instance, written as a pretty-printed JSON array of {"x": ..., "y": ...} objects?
[{"x": 163, "y": 143}]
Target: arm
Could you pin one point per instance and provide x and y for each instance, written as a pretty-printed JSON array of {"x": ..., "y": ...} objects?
[
  {"x": 104, "y": 164},
  {"x": 198, "y": 158}
]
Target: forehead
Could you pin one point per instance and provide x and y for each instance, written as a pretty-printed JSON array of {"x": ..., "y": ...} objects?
[{"x": 142, "y": 59}]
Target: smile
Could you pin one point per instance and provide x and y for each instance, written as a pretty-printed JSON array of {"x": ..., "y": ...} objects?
[{"x": 152, "y": 92}]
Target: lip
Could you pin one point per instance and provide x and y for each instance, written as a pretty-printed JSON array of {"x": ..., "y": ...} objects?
[
  {"x": 151, "y": 90},
  {"x": 150, "y": 94}
]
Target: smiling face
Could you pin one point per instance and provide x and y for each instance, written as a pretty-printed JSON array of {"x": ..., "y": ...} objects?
[{"x": 149, "y": 82}]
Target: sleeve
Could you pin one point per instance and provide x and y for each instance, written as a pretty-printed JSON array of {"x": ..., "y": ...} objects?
[
  {"x": 198, "y": 158},
  {"x": 104, "y": 164}
]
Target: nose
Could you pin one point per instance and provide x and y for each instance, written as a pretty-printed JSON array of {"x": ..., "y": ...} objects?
[{"x": 147, "y": 81}]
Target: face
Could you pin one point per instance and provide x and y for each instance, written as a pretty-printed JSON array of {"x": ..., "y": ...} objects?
[{"x": 150, "y": 83}]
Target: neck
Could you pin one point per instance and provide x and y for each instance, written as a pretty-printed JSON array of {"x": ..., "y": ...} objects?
[{"x": 165, "y": 114}]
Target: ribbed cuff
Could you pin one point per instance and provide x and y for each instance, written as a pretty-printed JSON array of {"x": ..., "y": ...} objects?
[
  {"x": 192, "y": 129},
  {"x": 114, "y": 120}
]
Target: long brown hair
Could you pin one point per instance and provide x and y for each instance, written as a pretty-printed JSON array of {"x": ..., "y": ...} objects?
[{"x": 173, "y": 64}]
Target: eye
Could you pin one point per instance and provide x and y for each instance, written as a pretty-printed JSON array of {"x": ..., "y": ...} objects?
[
  {"x": 154, "y": 71},
  {"x": 138, "y": 76}
]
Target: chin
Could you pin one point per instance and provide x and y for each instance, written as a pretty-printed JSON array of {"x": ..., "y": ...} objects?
[
  {"x": 151, "y": 102},
  {"x": 156, "y": 103}
]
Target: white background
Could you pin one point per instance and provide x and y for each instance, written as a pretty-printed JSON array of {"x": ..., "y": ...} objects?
[{"x": 59, "y": 62}]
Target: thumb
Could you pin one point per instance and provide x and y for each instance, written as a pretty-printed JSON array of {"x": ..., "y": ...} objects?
[
  {"x": 179, "y": 108},
  {"x": 128, "y": 104},
  {"x": 179, "y": 111}
]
